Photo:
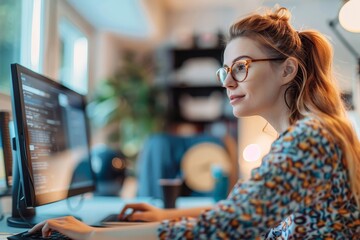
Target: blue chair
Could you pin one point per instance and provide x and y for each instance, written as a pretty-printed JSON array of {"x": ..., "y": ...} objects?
[{"x": 161, "y": 158}]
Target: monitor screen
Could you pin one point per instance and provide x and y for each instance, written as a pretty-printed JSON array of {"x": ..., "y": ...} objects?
[{"x": 52, "y": 138}]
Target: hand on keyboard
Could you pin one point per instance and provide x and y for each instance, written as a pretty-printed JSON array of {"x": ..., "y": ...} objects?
[
  {"x": 68, "y": 226},
  {"x": 142, "y": 212},
  {"x": 38, "y": 235}
]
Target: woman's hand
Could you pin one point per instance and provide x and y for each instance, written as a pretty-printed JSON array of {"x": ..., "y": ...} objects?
[
  {"x": 142, "y": 212},
  {"x": 68, "y": 226}
]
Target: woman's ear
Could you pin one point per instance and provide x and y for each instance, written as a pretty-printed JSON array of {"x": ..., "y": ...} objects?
[{"x": 290, "y": 68}]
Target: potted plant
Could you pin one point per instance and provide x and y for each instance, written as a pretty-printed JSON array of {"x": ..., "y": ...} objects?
[{"x": 129, "y": 104}]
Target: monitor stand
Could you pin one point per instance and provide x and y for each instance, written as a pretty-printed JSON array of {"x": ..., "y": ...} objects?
[{"x": 23, "y": 216}]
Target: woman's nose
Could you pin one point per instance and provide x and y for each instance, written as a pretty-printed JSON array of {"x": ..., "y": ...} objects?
[{"x": 230, "y": 82}]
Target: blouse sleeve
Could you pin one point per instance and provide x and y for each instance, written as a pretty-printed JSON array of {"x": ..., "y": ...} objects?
[{"x": 283, "y": 184}]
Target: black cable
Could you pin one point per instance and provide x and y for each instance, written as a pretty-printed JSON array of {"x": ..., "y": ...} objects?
[
  {"x": 18, "y": 205},
  {"x": 29, "y": 173},
  {"x": 76, "y": 208},
  {"x": 347, "y": 45}
]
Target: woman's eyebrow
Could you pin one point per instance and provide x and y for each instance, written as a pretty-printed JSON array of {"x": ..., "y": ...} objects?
[
  {"x": 237, "y": 58},
  {"x": 240, "y": 57}
]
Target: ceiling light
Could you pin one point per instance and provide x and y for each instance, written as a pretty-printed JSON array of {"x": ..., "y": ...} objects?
[{"x": 349, "y": 16}]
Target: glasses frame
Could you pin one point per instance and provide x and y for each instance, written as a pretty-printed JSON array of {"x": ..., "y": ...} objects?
[{"x": 246, "y": 63}]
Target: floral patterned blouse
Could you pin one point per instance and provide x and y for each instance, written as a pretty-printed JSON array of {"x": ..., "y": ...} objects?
[{"x": 300, "y": 191}]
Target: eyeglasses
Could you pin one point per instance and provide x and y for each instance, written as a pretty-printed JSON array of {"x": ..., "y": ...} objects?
[{"x": 239, "y": 69}]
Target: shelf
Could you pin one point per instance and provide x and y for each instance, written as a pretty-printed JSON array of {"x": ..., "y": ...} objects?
[
  {"x": 181, "y": 55},
  {"x": 197, "y": 95}
]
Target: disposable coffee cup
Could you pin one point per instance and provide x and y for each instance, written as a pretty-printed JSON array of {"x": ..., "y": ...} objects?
[{"x": 171, "y": 190}]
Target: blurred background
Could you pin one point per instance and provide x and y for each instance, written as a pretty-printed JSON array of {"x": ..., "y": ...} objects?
[{"x": 148, "y": 69}]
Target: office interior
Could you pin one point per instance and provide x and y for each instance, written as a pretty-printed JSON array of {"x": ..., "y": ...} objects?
[{"x": 147, "y": 70}]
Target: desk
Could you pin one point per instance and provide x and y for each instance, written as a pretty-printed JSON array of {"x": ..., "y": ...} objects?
[{"x": 94, "y": 208}]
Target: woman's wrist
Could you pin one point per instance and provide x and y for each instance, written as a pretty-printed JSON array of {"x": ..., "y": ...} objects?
[
  {"x": 135, "y": 232},
  {"x": 93, "y": 234},
  {"x": 184, "y": 212},
  {"x": 164, "y": 214}
]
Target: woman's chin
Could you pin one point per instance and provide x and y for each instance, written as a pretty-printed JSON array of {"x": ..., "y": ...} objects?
[{"x": 238, "y": 114}]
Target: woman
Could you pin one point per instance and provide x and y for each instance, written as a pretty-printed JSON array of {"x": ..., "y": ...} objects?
[{"x": 308, "y": 184}]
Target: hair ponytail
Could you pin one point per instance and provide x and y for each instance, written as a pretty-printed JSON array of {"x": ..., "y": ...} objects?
[{"x": 320, "y": 97}]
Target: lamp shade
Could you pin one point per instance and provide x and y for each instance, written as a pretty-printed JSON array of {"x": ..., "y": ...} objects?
[{"x": 349, "y": 16}]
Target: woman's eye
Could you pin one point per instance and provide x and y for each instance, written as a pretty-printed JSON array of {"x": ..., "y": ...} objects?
[{"x": 240, "y": 67}]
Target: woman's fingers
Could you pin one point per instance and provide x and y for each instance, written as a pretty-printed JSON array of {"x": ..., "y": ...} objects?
[
  {"x": 37, "y": 227},
  {"x": 46, "y": 230},
  {"x": 134, "y": 207},
  {"x": 65, "y": 225},
  {"x": 45, "y": 227},
  {"x": 141, "y": 216}
]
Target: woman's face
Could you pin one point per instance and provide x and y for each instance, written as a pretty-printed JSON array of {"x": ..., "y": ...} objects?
[{"x": 261, "y": 93}]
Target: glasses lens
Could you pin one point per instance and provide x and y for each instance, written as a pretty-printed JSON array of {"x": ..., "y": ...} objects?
[
  {"x": 221, "y": 75},
  {"x": 238, "y": 71}
]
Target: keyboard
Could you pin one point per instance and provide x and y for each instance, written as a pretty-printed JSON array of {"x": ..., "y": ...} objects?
[
  {"x": 37, "y": 235},
  {"x": 112, "y": 218},
  {"x": 115, "y": 218}
]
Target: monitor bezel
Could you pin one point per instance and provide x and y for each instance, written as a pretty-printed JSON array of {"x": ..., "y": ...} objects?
[{"x": 22, "y": 140}]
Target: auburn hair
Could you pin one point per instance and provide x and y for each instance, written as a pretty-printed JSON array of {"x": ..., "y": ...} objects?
[{"x": 313, "y": 92}]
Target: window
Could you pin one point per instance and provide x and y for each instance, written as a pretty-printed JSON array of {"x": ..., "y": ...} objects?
[
  {"x": 10, "y": 25},
  {"x": 73, "y": 57},
  {"x": 20, "y": 38}
]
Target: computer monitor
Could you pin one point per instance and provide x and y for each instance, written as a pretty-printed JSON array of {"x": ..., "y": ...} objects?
[
  {"x": 53, "y": 159},
  {"x": 5, "y": 155}
]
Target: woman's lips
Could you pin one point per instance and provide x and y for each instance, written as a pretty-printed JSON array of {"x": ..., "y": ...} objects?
[{"x": 236, "y": 98}]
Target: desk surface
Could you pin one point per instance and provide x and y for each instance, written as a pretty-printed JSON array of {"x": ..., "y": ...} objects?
[{"x": 93, "y": 209}]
